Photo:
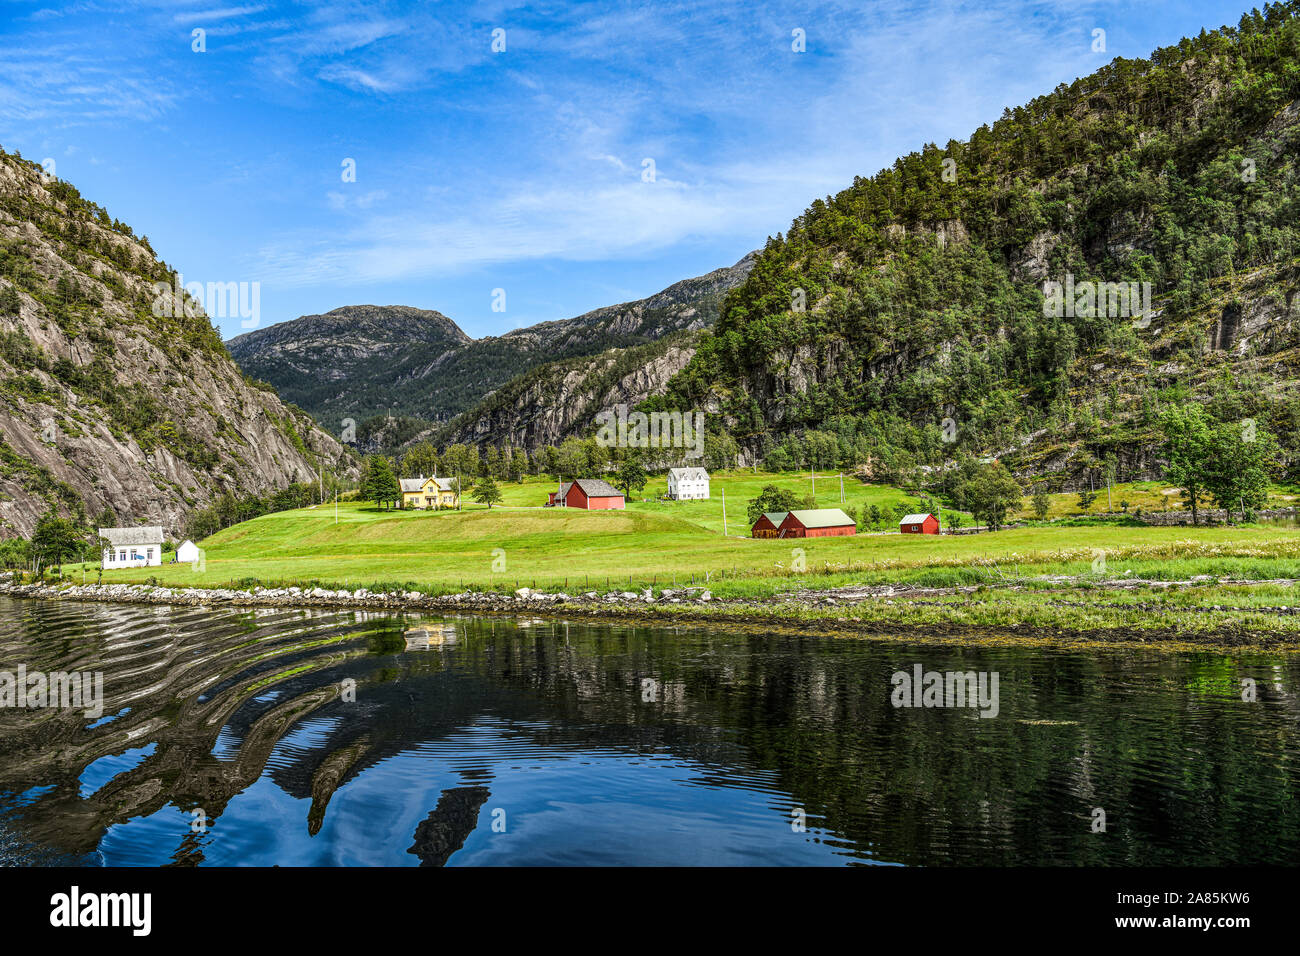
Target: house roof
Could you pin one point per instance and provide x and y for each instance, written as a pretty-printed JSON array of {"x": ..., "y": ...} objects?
[
  {"x": 776, "y": 517},
  {"x": 914, "y": 519},
  {"x": 595, "y": 488},
  {"x": 125, "y": 537},
  {"x": 410, "y": 485},
  {"x": 688, "y": 474},
  {"x": 822, "y": 518}
]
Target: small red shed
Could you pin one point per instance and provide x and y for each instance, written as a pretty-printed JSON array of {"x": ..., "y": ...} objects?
[
  {"x": 919, "y": 524},
  {"x": 768, "y": 524},
  {"x": 592, "y": 494},
  {"x": 817, "y": 523}
]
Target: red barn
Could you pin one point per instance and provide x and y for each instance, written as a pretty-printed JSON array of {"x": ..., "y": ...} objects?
[
  {"x": 919, "y": 524},
  {"x": 592, "y": 494},
  {"x": 768, "y": 524},
  {"x": 817, "y": 523}
]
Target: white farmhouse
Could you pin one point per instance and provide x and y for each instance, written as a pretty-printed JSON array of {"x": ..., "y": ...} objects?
[
  {"x": 687, "y": 483},
  {"x": 132, "y": 547}
]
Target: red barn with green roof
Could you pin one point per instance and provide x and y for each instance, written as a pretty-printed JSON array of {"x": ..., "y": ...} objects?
[
  {"x": 817, "y": 523},
  {"x": 768, "y": 524}
]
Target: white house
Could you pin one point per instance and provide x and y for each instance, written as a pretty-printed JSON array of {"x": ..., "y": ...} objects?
[
  {"x": 187, "y": 553},
  {"x": 687, "y": 483},
  {"x": 132, "y": 547}
]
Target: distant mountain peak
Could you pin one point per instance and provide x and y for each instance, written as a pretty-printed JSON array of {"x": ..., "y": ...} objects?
[{"x": 358, "y": 361}]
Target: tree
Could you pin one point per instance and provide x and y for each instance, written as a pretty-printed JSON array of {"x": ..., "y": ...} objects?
[
  {"x": 874, "y": 515},
  {"x": 10, "y": 301},
  {"x": 486, "y": 492},
  {"x": 630, "y": 477},
  {"x": 1240, "y": 457},
  {"x": 379, "y": 484},
  {"x": 518, "y": 465},
  {"x": 1110, "y": 467},
  {"x": 570, "y": 460},
  {"x": 772, "y": 498},
  {"x": 421, "y": 460},
  {"x": 15, "y": 553},
  {"x": 1086, "y": 498},
  {"x": 1042, "y": 503},
  {"x": 1187, "y": 444},
  {"x": 992, "y": 493},
  {"x": 55, "y": 540},
  {"x": 720, "y": 451}
]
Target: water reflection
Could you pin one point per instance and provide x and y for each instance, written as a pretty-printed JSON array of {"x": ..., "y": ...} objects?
[{"x": 349, "y": 738}]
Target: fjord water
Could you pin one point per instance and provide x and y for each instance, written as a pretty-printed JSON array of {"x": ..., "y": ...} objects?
[{"x": 500, "y": 742}]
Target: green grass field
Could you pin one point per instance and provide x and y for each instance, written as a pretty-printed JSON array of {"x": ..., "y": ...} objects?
[{"x": 659, "y": 543}]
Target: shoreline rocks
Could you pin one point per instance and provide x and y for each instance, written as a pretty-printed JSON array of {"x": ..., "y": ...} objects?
[{"x": 361, "y": 598}]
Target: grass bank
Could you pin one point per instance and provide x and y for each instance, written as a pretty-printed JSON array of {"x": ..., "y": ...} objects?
[{"x": 1045, "y": 576}]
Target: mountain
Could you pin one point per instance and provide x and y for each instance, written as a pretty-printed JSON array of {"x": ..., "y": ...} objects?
[
  {"x": 361, "y": 361},
  {"x": 918, "y": 316},
  {"x": 560, "y": 400},
  {"x": 350, "y": 362},
  {"x": 105, "y": 399}
]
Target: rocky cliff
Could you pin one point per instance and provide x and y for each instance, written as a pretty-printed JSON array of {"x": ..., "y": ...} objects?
[
  {"x": 560, "y": 400},
  {"x": 112, "y": 395}
]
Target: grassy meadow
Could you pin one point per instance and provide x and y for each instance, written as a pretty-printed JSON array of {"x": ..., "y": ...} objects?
[{"x": 662, "y": 544}]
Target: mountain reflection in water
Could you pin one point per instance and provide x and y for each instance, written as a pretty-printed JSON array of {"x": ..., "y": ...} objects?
[{"x": 297, "y": 737}]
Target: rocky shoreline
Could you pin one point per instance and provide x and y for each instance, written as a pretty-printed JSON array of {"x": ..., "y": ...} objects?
[
  {"x": 523, "y": 599},
  {"x": 619, "y": 604}
]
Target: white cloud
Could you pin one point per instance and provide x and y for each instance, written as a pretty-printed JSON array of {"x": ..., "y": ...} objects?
[{"x": 224, "y": 13}]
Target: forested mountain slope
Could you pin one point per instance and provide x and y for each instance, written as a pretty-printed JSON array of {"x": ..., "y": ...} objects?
[{"x": 902, "y": 321}]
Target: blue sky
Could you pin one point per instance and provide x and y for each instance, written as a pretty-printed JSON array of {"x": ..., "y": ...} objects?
[{"x": 523, "y": 169}]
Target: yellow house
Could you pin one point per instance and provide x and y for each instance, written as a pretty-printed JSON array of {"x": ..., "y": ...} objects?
[{"x": 429, "y": 493}]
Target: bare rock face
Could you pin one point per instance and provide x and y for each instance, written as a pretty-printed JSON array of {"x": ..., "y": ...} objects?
[
  {"x": 561, "y": 400},
  {"x": 103, "y": 402}
]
